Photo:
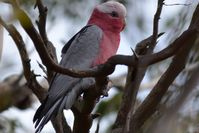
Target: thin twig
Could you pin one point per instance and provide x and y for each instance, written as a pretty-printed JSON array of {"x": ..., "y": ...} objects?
[
  {"x": 42, "y": 19},
  {"x": 41, "y": 23},
  {"x": 178, "y": 4},
  {"x": 156, "y": 23}
]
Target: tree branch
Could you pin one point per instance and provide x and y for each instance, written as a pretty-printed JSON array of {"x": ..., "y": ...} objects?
[
  {"x": 170, "y": 50},
  {"x": 136, "y": 74},
  {"x": 59, "y": 122},
  {"x": 41, "y": 23},
  {"x": 83, "y": 117},
  {"x": 32, "y": 83},
  {"x": 42, "y": 19},
  {"x": 171, "y": 113},
  {"x": 156, "y": 23},
  {"x": 149, "y": 105},
  {"x": 134, "y": 78}
]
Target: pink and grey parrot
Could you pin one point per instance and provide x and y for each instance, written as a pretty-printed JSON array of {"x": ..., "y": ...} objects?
[{"x": 91, "y": 46}]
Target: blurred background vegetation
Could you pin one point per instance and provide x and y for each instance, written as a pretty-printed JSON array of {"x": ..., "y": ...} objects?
[{"x": 69, "y": 16}]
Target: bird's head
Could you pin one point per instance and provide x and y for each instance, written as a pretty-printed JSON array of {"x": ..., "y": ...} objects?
[{"x": 109, "y": 16}]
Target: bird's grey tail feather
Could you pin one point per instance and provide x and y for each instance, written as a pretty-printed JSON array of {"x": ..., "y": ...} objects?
[
  {"x": 45, "y": 112},
  {"x": 43, "y": 119},
  {"x": 38, "y": 114}
]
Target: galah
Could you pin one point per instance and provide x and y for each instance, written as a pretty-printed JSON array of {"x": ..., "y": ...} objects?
[{"x": 91, "y": 46}]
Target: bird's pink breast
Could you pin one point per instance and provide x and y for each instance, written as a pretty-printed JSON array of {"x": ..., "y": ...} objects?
[{"x": 108, "y": 47}]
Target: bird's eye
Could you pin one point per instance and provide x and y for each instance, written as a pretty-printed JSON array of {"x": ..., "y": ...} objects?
[{"x": 114, "y": 14}]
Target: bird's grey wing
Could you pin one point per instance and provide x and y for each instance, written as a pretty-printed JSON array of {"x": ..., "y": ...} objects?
[
  {"x": 64, "y": 89},
  {"x": 67, "y": 45}
]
